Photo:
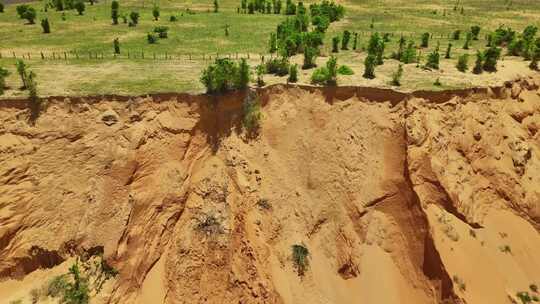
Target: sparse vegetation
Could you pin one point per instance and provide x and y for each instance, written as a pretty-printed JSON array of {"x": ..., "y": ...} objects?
[
  {"x": 459, "y": 282},
  {"x": 225, "y": 75},
  {"x": 463, "y": 63},
  {"x": 396, "y": 76},
  {"x": 300, "y": 257},
  {"x": 251, "y": 114},
  {"x": 293, "y": 73},
  {"x": 326, "y": 75},
  {"x": 3, "y": 74},
  {"x": 45, "y": 26}
]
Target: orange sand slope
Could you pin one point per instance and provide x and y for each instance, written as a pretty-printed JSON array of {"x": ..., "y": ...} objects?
[{"x": 399, "y": 198}]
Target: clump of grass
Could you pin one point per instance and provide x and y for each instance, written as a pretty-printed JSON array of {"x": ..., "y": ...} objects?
[
  {"x": 300, "y": 256},
  {"x": 459, "y": 282},
  {"x": 505, "y": 249},
  {"x": 264, "y": 204},
  {"x": 524, "y": 297},
  {"x": 210, "y": 224},
  {"x": 345, "y": 70}
]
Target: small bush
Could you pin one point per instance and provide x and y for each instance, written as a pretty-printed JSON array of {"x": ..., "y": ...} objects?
[
  {"x": 116, "y": 46},
  {"x": 134, "y": 17},
  {"x": 475, "y": 31},
  {"x": 433, "y": 59},
  {"x": 345, "y": 70},
  {"x": 491, "y": 56},
  {"x": 224, "y": 75},
  {"x": 310, "y": 54},
  {"x": 459, "y": 282},
  {"x": 21, "y": 9},
  {"x": 26, "y": 12},
  {"x": 463, "y": 63},
  {"x": 251, "y": 114},
  {"x": 151, "y": 38},
  {"x": 1, "y": 7},
  {"x": 80, "y": 7},
  {"x": 278, "y": 66},
  {"x": 260, "y": 71},
  {"x": 162, "y": 31},
  {"x": 505, "y": 249},
  {"x": 173, "y": 18},
  {"x": 478, "y": 66},
  {"x": 369, "y": 67},
  {"x": 300, "y": 257},
  {"x": 437, "y": 82},
  {"x": 533, "y": 287},
  {"x": 456, "y": 34},
  {"x": 114, "y": 11},
  {"x": 319, "y": 76},
  {"x": 57, "y": 286},
  {"x": 3, "y": 74},
  {"x": 468, "y": 38},
  {"x": 345, "y": 40},
  {"x": 46, "y": 26},
  {"x": 448, "y": 51},
  {"x": 210, "y": 224},
  {"x": 396, "y": 76},
  {"x": 425, "y": 40},
  {"x": 524, "y": 297},
  {"x": 335, "y": 44},
  {"x": 293, "y": 73},
  {"x": 409, "y": 55},
  {"x": 326, "y": 75}
]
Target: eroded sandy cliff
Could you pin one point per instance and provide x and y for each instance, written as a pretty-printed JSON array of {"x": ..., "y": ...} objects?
[{"x": 420, "y": 198}]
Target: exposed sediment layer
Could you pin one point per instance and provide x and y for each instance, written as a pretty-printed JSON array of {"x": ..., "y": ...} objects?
[{"x": 426, "y": 197}]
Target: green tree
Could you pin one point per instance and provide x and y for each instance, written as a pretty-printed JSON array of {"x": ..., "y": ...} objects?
[
  {"x": 115, "y": 6},
  {"x": 216, "y": 6},
  {"x": 277, "y": 7},
  {"x": 478, "y": 66},
  {"x": 260, "y": 70},
  {"x": 21, "y": 70},
  {"x": 475, "y": 31},
  {"x": 293, "y": 73},
  {"x": 151, "y": 38},
  {"x": 80, "y": 7},
  {"x": 355, "y": 41},
  {"x": 335, "y": 44},
  {"x": 448, "y": 51},
  {"x": 425, "y": 40},
  {"x": 273, "y": 43},
  {"x": 29, "y": 13},
  {"x": 345, "y": 40},
  {"x": 409, "y": 56},
  {"x": 1, "y": 7},
  {"x": 116, "y": 45},
  {"x": 3, "y": 74},
  {"x": 331, "y": 66},
  {"x": 463, "y": 63},
  {"x": 310, "y": 54},
  {"x": 433, "y": 59},
  {"x": 534, "y": 58},
  {"x": 134, "y": 17},
  {"x": 243, "y": 75},
  {"x": 35, "y": 101},
  {"x": 21, "y": 9},
  {"x": 468, "y": 38},
  {"x": 46, "y": 26},
  {"x": 456, "y": 34},
  {"x": 155, "y": 12},
  {"x": 369, "y": 66},
  {"x": 491, "y": 56}
]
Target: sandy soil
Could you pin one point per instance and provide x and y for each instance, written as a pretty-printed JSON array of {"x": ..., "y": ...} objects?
[{"x": 399, "y": 198}]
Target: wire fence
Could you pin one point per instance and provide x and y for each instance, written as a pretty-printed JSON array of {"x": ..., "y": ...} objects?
[{"x": 127, "y": 54}]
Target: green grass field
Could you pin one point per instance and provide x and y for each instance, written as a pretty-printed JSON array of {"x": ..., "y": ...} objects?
[{"x": 204, "y": 33}]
